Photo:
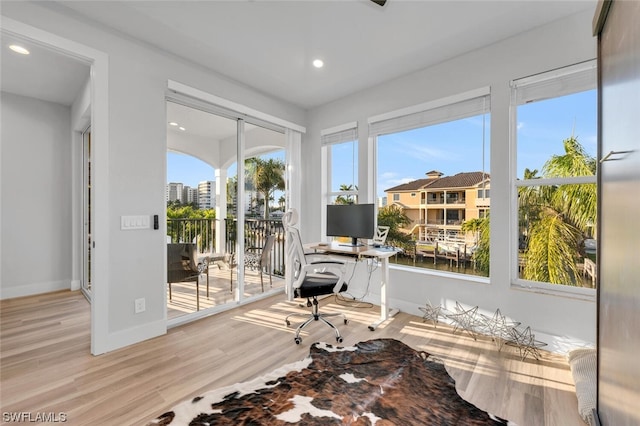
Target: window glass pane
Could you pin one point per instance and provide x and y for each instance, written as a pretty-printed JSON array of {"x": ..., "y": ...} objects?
[
  {"x": 543, "y": 126},
  {"x": 344, "y": 166},
  {"x": 557, "y": 138},
  {"x": 343, "y": 199},
  {"x": 264, "y": 207},
  {"x": 445, "y": 165},
  {"x": 557, "y": 234}
]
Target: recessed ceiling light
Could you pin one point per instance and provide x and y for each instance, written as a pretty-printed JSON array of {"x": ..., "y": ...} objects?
[
  {"x": 182, "y": 128},
  {"x": 173, "y": 123},
  {"x": 19, "y": 49},
  {"x": 318, "y": 63}
]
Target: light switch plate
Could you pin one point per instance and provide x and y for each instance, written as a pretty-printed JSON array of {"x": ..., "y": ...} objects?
[{"x": 129, "y": 223}]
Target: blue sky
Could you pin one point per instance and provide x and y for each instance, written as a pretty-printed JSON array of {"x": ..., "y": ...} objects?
[
  {"x": 187, "y": 169},
  {"x": 450, "y": 147},
  {"x": 190, "y": 170},
  {"x": 456, "y": 147}
]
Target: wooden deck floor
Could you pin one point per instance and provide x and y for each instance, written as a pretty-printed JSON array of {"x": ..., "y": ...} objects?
[
  {"x": 183, "y": 295},
  {"x": 45, "y": 364}
]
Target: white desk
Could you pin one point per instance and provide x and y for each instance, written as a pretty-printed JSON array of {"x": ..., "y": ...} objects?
[{"x": 383, "y": 255}]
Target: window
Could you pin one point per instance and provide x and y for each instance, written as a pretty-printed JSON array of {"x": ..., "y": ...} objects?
[
  {"x": 436, "y": 150},
  {"x": 340, "y": 149},
  {"x": 483, "y": 193},
  {"x": 554, "y": 122}
]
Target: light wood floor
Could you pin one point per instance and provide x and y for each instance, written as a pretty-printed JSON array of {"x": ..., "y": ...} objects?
[{"x": 45, "y": 365}]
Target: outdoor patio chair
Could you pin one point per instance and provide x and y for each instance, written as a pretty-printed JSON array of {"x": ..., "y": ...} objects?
[
  {"x": 183, "y": 265},
  {"x": 255, "y": 258}
]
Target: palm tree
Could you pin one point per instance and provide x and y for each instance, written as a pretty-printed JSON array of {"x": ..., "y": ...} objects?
[
  {"x": 480, "y": 227},
  {"x": 394, "y": 217},
  {"x": 267, "y": 176},
  {"x": 556, "y": 217},
  {"x": 346, "y": 199}
]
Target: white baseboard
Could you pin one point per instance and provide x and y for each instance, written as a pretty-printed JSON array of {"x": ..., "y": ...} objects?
[
  {"x": 34, "y": 288},
  {"x": 127, "y": 337},
  {"x": 75, "y": 285}
]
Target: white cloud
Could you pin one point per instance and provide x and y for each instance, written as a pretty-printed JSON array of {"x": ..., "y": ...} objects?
[
  {"x": 387, "y": 176},
  {"x": 520, "y": 125}
]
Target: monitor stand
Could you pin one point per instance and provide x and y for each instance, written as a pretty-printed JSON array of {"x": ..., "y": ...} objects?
[{"x": 354, "y": 243}]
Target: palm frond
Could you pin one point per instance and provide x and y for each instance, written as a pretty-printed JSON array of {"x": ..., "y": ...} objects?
[{"x": 551, "y": 254}]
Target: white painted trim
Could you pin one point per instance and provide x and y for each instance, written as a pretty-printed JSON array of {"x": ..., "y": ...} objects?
[
  {"x": 558, "y": 290},
  {"x": 240, "y": 212},
  {"x": 130, "y": 336},
  {"x": 555, "y": 74},
  {"x": 230, "y": 105},
  {"x": 75, "y": 285},
  {"x": 99, "y": 88},
  {"x": 340, "y": 128},
  {"x": 573, "y": 180},
  {"x": 477, "y": 279},
  {"x": 34, "y": 288},
  {"x": 471, "y": 94}
]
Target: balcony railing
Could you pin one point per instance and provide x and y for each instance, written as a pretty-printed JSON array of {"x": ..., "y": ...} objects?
[
  {"x": 255, "y": 234},
  {"x": 456, "y": 200},
  {"x": 203, "y": 233},
  {"x": 200, "y": 231}
]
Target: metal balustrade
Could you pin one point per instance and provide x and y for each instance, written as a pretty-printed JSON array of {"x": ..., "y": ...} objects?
[{"x": 203, "y": 233}]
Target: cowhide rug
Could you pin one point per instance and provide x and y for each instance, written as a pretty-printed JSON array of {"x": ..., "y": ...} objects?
[{"x": 379, "y": 382}]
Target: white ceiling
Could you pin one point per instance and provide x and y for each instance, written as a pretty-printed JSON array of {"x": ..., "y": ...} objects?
[
  {"x": 43, "y": 74},
  {"x": 269, "y": 45}
]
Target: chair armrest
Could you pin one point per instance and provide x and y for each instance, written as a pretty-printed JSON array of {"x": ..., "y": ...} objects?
[{"x": 203, "y": 264}]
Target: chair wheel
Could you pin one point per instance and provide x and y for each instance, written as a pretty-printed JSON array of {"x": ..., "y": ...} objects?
[
  {"x": 297, "y": 340},
  {"x": 288, "y": 323},
  {"x": 346, "y": 321},
  {"x": 339, "y": 339}
]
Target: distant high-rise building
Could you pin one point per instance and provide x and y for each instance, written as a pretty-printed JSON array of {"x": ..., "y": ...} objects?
[
  {"x": 190, "y": 195},
  {"x": 174, "y": 191},
  {"x": 207, "y": 194}
]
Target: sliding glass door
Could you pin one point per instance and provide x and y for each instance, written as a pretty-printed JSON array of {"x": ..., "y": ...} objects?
[
  {"x": 264, "y": 196},
  {"x": 221, "y": 209}
]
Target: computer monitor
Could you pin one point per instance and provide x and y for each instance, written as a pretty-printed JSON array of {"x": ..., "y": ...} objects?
[{"x": 351, "y": 220}]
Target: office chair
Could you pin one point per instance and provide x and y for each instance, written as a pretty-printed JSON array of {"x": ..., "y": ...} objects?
[{"x": 313, "y": 275}]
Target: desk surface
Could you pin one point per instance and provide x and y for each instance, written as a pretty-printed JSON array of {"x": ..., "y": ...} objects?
[{"x": 367, "y": 251}]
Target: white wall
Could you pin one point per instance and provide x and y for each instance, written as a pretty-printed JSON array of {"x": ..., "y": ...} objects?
[
  {"x": 36, "y": 196},
  {"x": 137, "y": 148},
  {"x": 555, "y": 45}
]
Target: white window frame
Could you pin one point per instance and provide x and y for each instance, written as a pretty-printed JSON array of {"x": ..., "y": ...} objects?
[
  {"x": 548, "y": 85},
  {"x": 347, "y": 132},
  {"x": 447, "y": 109}
]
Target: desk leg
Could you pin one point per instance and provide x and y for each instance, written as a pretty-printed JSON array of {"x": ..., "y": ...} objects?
[{"x": 385, "y": 312}]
